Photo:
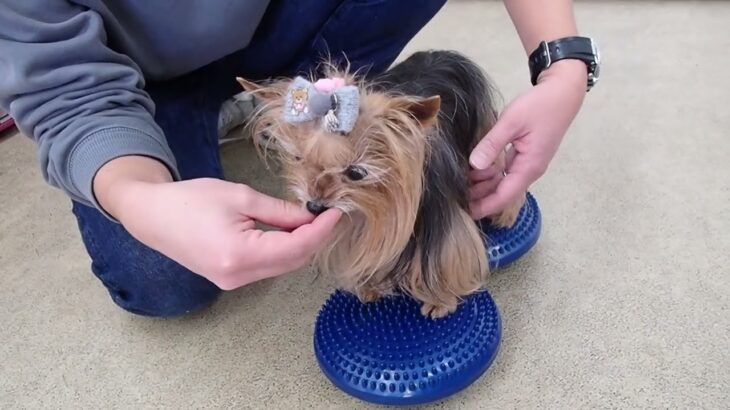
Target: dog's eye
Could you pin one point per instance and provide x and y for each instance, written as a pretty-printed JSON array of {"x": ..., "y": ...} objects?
[{"x": 355, "y": 173}]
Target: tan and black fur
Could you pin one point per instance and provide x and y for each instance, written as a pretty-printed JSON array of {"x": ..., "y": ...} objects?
[{"x": 407, "y": 226}]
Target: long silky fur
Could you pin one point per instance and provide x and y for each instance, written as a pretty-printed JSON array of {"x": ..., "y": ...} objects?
[
  {"x": 446, "y": 258},
  {"x": 408, "y": 229}
]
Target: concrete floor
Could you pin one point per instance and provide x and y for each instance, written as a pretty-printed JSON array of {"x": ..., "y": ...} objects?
[{"x": 623, "y": 303}]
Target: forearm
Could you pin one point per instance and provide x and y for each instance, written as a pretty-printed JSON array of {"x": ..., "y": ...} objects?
[
  {"x": 115, "y": 183},
  {"x": 548, "y": 20},
  {"x": 541, "y": 20}
]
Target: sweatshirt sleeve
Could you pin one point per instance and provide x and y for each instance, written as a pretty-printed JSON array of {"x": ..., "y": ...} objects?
[{"x": 80, "y": 101}]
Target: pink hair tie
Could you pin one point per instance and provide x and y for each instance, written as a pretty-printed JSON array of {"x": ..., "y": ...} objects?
[{"x": 329, "y": 85}]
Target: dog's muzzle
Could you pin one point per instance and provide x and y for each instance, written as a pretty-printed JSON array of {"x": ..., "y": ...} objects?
[{"x": 316, "y": 207}]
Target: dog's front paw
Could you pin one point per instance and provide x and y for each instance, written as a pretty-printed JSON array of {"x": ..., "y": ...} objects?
[
  {"x": 367, "y": 296},
  {"x": 437, "y": 311}
]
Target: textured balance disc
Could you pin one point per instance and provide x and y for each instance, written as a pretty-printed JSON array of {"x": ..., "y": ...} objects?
[
  {"x": 506, "y": 245},
  {"x": 386, "y": 352}
]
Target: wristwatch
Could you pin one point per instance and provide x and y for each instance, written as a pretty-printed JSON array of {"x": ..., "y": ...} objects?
[{"x": 580, "y": 48}]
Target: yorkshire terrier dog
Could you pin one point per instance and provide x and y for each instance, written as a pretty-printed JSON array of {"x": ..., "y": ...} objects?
[{"x": 392, "y": 153}]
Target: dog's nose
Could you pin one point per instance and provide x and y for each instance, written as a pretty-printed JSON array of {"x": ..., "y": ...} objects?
[{"x": 316, "y": 207}]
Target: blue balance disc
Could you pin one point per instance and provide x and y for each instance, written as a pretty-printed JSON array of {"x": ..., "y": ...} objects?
[
  {"x": 506, "y": 245},
  {"x": 386, "y": 352}
]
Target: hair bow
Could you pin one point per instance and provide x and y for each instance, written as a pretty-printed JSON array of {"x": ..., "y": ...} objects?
[{"x": 330, "y": 99}]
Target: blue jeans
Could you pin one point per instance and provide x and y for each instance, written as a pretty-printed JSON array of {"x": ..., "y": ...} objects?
[{"x": 292, "y": 39}]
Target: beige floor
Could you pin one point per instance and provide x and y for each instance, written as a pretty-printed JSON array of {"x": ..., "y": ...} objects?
[{"x": 623, "y": 303}]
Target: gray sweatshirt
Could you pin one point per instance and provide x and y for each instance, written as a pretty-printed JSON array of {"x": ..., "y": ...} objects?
[{"x": 72, "y": 74}]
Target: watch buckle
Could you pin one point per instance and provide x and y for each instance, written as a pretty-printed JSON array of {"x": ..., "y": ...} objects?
[{"x": 546, "y": 52}]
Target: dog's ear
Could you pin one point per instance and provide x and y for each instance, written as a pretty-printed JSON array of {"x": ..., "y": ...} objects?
[
  {"x": 247, "y": 85},
  {"x": 425, "y": 110},
  {"x": 261, "y": 92}
]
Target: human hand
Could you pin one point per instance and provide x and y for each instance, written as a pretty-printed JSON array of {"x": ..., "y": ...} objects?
[
  {"x": 534, "y": 124},
  {"x": 209, "y": 226}
]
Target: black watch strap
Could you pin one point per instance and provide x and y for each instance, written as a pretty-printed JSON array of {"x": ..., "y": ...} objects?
[{"x": 580, "y": 48}]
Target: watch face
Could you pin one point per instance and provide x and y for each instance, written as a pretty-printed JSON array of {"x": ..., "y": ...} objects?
[
  {"x": 595, "y": 73},
  {"x": 596, "y": 52}
]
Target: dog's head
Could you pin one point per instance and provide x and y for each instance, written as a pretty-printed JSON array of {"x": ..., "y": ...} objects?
[{"x": 373, "y": 172}]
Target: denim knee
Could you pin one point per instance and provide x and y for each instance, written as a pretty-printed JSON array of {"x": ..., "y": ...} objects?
[
  {"x": 138, "y": 278},
  {"x": 156, "y": 286}
]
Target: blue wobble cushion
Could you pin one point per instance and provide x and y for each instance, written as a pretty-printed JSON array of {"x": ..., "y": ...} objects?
[
  {"x": 386, "y": 352},
  {"x": 506, "y": 245}
]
